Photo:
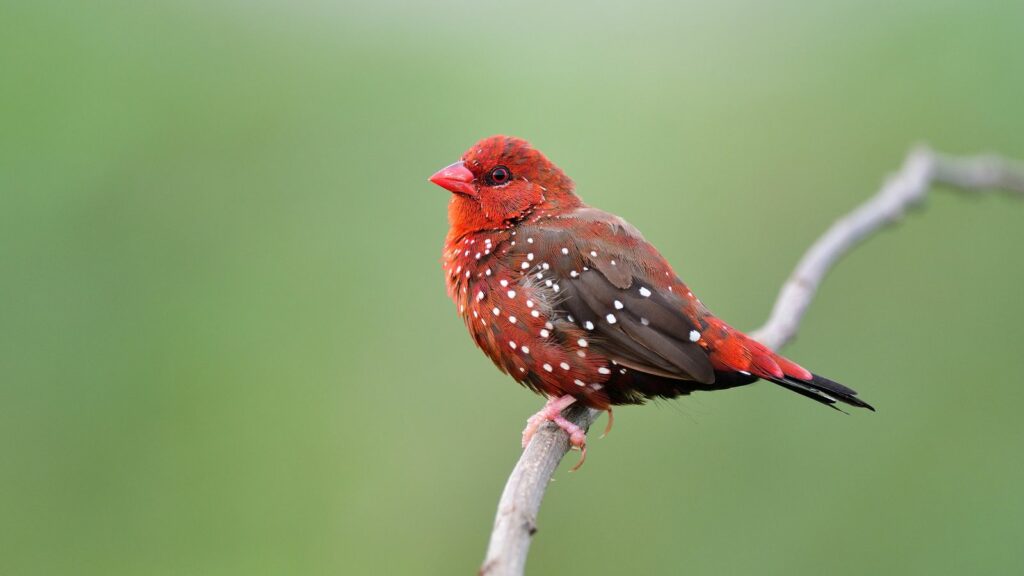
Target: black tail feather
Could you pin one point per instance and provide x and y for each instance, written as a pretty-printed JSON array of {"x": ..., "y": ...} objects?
[{"x": 821, "y": 389}]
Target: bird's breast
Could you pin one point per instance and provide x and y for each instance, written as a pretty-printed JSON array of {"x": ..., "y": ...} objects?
[{"x": 506, "y": 292}]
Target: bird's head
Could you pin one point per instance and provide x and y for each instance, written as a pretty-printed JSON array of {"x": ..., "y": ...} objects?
[{"x": 501, "y": 180}]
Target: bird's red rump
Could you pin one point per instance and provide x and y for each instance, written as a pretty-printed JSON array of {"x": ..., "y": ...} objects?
[{"x": 793, "y": 369}]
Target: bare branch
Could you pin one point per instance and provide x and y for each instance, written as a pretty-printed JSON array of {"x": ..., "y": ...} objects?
[
  {"x": 921, "y": 170},
  {"x": 515, "y": 522}
]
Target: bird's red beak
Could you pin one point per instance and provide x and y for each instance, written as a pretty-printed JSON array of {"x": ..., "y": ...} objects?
[{"x": 455, "y": 178}]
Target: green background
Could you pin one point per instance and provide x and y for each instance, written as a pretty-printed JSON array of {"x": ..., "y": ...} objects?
[{"x": 225, "y": 346}]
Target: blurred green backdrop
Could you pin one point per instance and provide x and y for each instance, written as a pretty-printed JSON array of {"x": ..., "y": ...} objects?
[{"x": 226, "y": 348}]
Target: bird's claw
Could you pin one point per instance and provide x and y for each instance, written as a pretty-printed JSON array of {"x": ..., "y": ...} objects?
[
  {"x": 583, "y": 458},
  {"x": 552, "y": 412},
  {"x": 608, "y": 426},
  {"x": 577, "y": 439}
]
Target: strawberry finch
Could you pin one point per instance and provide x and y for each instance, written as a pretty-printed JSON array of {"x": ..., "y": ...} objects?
[{"x": 573, "y": 303}]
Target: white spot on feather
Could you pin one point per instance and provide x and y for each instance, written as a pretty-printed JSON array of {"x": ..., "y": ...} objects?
[
  {"x": 694, "y": 335},
  {"x": 645, "y": 292}
]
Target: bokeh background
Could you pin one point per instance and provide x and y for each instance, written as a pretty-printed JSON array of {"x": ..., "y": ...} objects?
[{"x": 225, "y": 346}]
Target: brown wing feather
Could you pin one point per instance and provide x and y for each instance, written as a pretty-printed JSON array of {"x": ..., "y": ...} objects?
[{"x": 598, "y": 276}]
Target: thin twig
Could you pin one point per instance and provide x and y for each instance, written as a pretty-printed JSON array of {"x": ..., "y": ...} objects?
[
  {"x": 921, "y": 170},
  {"x": 516, "y": 519}
]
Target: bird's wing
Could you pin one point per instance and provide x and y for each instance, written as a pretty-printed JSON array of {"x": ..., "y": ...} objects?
[{"x": 603, "y": 277}]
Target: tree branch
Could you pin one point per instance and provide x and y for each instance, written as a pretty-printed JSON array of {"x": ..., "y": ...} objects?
[
  {"x": 903, "y": 190},
  {"x": 515, "y": 522}
]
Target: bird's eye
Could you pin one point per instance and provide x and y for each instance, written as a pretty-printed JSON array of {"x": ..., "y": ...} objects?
[{"x": 498, "y": 175}]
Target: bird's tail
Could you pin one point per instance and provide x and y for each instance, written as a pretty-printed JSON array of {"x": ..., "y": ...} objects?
[
  {"x": 822, "y": 390},
  {"x": 763, "y": 363}
]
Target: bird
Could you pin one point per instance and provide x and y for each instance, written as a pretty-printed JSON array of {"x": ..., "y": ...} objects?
[{"x": 573, "y": 303}]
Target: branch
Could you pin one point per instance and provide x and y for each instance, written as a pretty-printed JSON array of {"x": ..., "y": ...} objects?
[
  {"x": 921, "y": 170},
  {"x": 516, "y": 519}
]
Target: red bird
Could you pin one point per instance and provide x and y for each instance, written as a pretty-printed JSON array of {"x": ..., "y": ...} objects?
[{"x": 573, "y": 303}]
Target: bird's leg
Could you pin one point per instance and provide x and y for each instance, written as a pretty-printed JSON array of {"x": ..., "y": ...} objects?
[
  {"x": 577, "y": 438},
  {"x": 552, "y": 411}
]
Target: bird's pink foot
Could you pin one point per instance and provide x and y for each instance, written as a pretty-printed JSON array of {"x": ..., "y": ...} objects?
[
  {"x": 577, "y": 438},
  {"x": 552, "y": 411}
]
